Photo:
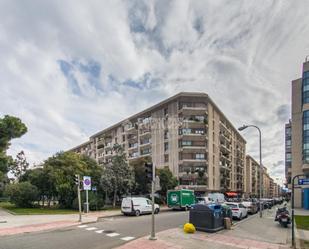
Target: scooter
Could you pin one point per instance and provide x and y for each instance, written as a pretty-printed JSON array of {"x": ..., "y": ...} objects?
[{"x": 283, "y": 216}]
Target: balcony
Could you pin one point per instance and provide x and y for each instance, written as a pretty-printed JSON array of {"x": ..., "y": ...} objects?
[
  {"x": 144, "y": 133},
  {"x": 225, "y": 157},
  {"x": 225, "y": 148},
  {"x": 100, "y": 142},
  {"x": 133, "y": 147},
  {"x": 191, "y": 110},
  {"x": 193, "y": 148},
  {"x": 145, "y": 144},
  {"x": 224, "y": 166}
]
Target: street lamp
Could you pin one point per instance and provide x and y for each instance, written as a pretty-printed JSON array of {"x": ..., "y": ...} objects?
[{"x": 261, "y": 167}]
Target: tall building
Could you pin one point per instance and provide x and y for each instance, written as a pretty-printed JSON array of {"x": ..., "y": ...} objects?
[
  {"x": 300, "y": 130},
  {"x": 252, "y": 172},
  {"x": 288, "y": 153},
  {"x": 187, "y": 133}
]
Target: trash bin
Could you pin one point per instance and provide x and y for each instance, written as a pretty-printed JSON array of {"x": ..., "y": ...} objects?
[{"x": 208, "y": 218}]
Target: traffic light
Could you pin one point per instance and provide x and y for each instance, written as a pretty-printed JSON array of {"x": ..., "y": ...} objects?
[
  {"x": 76, "y": 180},
  {"x": 148, "y": 171}
]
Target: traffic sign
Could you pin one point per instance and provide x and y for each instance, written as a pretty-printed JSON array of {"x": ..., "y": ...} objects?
[
  {"x": 303, "y": 181},
  {"x": 87, "y": 183}
]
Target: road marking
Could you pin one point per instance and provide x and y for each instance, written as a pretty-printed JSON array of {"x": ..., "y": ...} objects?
[
  {"x": 112, "y": 234},
  {"x": 82, "y": 226},
  {"x": 127, "y": 238},
  {"x": 99, "y": 231},
  {"x": 91, "y": 228}
]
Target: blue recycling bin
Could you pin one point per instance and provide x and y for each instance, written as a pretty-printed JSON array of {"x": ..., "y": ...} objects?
[
  {"x": 207, "y": 218},
  {"x": 306, "y": 198}
]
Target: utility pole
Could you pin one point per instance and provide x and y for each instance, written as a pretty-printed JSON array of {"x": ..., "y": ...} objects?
[
  {"x": 261, "y": 165},
  {"x": 150, "y": 177},
  {"x": 77, "y": 181},
  {"x": 153, "y": 233}
]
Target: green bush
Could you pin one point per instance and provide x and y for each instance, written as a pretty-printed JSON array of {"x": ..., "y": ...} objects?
[
  {"x": 22, "y": 194},
  {"x": 95, "y": 201}
]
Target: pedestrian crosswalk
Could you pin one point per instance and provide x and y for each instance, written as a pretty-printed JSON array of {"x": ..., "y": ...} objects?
[{"x": 109, "y": 234}]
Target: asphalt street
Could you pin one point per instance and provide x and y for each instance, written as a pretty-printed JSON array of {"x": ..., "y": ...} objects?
[{"x": 108, "y": 233}]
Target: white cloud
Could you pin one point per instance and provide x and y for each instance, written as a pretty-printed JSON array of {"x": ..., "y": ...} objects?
[{"x": 242, "y": 53}]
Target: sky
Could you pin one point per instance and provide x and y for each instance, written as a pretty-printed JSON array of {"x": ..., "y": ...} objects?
[{"x": 70, "y": 68}]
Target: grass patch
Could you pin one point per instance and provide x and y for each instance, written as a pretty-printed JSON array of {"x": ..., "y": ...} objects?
[
  {"x": 302, "y": 222},
  {"x": 35, "y": 210}
]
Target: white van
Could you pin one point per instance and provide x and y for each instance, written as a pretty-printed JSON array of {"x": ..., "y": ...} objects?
[
  {"x": 137, "y": 206},
  {"x": 204, "y": 200},
  {"x": 216, "y": 197}
]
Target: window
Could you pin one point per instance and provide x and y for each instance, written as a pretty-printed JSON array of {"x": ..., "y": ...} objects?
[
  {"x": 165, "y": 134},
  {"x": 186, "y": 131},
  {"x": 200, "y": 156},
  {"x": 305, "y": 87},
  {"x": 200, "y": 118},
  {"x": 199, "y": 131},
  {"x": 306, "y": 136},
  {"x": 166, "y": 158},
  {"x": 165, "y": 146},
  {"x": 186, "y": 143}
]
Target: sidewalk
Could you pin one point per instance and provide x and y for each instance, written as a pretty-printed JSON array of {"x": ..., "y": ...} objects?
[{"x": 251, "y": 233}]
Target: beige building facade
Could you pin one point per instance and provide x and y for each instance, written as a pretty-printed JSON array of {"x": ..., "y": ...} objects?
[
  {"x": 252, "y": 172},
  {"x": 270, "y": 189},
  {"x": 187, "y": 133},
  {"x": 300, "y": 131}
]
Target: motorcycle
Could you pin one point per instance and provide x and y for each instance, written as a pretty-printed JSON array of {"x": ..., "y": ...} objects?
[{"x": 283, "y": 216}]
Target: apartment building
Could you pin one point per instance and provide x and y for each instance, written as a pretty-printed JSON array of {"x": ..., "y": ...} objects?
[
  {"x": 187, "y": 133},
  {"x": 269, "y": 187},
  {"x": 252, "y": 172},
  {"x": 288, "y": 153},
  {"x": 300, "y": 132}
]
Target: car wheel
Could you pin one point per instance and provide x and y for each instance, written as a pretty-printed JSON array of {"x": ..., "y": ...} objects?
[
  {"x": 137, "y": 213},
  {"x": 157, "y": 210}
]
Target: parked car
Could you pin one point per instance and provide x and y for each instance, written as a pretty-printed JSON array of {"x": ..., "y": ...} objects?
[
  {"x": 203, "y": 200},
  {"x": 251, "y": 206},
  {"x": 239, "y": 211},
  {"x": 137, "y": 206}
]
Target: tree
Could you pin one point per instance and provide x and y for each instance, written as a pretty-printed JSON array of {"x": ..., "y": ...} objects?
[
  {"x": 22, "y": 194},
  {"x": 10, "y": 128},
  {"x": 167, "y": 180},
  {"x": 62, "y": 168},
  {"x": 141, "y": 185},
  {"x": 118, "y": 176},
  {"x": 41, "y": 178},
  {"x": 20, "y": 165}
]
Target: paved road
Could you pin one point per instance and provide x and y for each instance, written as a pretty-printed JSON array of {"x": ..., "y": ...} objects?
[{"x": 108, "y": 233}]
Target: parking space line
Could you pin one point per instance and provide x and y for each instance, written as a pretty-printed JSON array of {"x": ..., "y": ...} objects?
[
  {"x": 112, "y": 234},
  {"x": 99, "y": 231},
  {"x": 82, "y": 226},
  {"x": 127, "y": 238},
  {"x": 91, "y": 228}
]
